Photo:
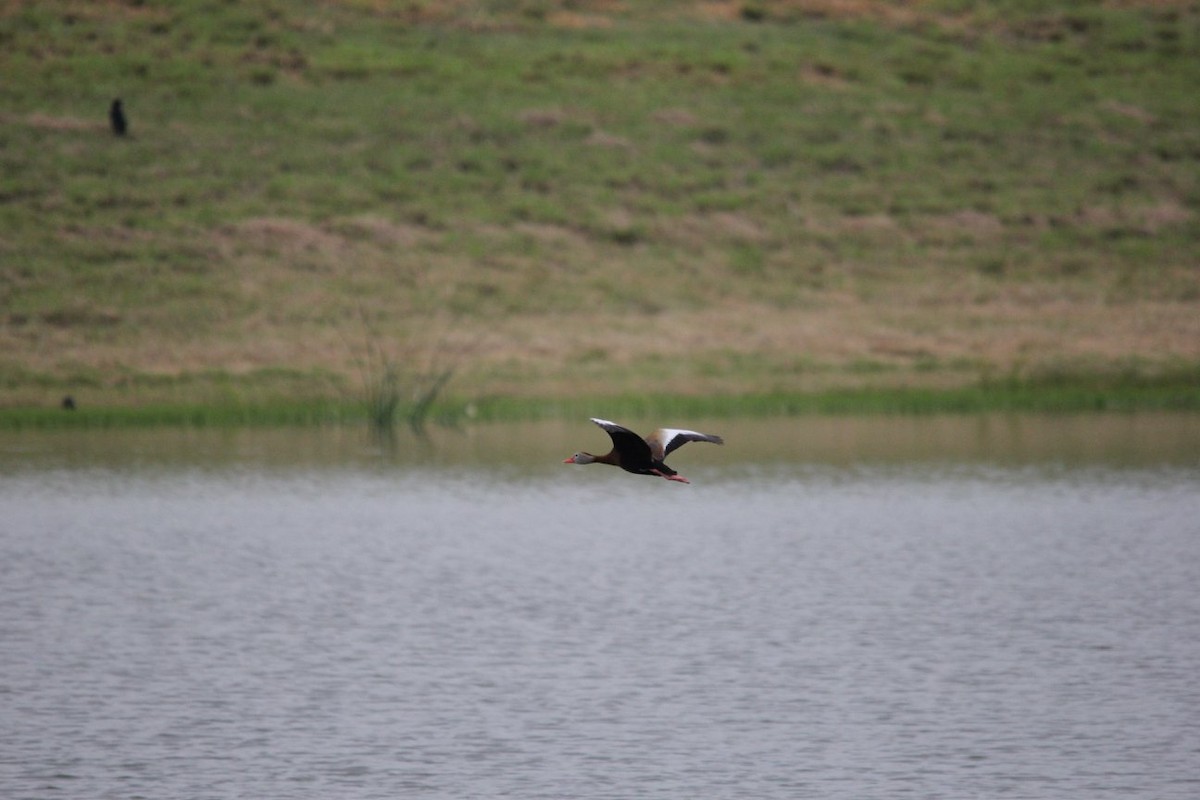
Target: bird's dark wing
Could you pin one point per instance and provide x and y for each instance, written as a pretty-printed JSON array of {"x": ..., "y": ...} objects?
[
  {"x": 666, "y": 440},
  {"x": 632, "y": 448}
]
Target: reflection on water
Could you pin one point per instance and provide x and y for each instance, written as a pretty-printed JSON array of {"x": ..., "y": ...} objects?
[
  {"x": 1108, "y": 439},
  {"x": 836, "y": 608}
]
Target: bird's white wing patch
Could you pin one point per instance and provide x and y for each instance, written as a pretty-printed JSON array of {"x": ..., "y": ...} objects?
[
  {"x": 674, "y": 438},
  {"x": 669, "y": 434}
]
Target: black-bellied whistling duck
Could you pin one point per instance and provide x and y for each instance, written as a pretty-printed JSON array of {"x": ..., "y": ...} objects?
[{"x": 641, "y": 456}]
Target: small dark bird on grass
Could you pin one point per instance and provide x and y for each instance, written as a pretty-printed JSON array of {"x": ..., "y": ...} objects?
[
  {"x": 116, "y": 115},
  {"x": 68, "y": 403}
]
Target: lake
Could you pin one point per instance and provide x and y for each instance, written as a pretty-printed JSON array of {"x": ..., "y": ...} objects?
[{"x": 927, "y": 607}]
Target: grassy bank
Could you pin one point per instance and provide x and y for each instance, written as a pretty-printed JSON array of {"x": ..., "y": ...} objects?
[
  {"x": 1179, "y": 392},
  {"x": 559, "y": 200}
]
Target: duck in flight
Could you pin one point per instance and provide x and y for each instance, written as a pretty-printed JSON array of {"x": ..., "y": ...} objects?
[{"x": 641, "y": 456}]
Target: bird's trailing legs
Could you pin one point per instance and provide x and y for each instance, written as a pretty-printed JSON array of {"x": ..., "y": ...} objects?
[{"x": 678, "y": 478}]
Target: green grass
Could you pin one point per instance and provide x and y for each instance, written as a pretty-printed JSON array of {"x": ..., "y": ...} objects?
[
  {"x": 1049, "y": 394},
  {"x": 180, "y": 414},
  {"x": 483, "y": 174},
  {"x": 1083, "y": 394}
]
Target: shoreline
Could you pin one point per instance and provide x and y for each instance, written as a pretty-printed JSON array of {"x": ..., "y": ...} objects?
[{"x": 1079, "y": 396}]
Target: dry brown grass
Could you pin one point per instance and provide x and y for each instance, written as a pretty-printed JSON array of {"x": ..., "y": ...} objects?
[
  {"x": 307, "y": 296},
  {"x": 824, "y": 347}
]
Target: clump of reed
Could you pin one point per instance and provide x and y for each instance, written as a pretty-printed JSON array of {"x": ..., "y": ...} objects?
[{"x": 398, "y": 383}]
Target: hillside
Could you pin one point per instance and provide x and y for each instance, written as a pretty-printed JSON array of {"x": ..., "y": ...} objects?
[{"x": 554, "y": 199}]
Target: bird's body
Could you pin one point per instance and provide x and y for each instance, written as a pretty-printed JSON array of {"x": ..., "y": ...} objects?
[
  {"x": 641, "y": 456},
  {"x": 116, "y": 116}
]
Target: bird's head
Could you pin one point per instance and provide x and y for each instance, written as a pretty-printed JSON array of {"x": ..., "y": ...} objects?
[{"x": 580, "y": 458}]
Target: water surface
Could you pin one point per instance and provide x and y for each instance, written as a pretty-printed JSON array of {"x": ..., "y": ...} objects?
[{"x": 933, "y": 608}]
